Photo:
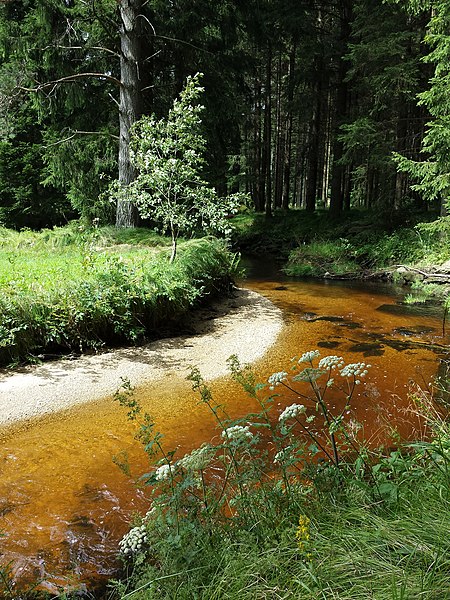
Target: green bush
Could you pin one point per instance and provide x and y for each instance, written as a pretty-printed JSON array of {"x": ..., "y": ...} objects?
[{"x": 318, "y": 258}]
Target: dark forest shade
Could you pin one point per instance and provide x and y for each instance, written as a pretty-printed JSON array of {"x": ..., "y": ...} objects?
[{"x": 306, "y": 103}]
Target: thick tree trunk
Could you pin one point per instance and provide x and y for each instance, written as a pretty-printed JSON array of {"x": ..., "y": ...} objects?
[{"x": 130, "y": 105}]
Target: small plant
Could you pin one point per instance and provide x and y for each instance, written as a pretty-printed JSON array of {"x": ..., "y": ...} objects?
[
  {"x": 251, "y": 451},
  {"x": 169, "y": 188}
]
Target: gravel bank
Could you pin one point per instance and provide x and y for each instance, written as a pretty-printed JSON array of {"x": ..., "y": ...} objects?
[{"x": 245, "y": 325}]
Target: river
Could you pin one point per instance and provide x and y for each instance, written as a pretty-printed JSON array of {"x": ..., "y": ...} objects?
[{"x": 64, "y": 504}]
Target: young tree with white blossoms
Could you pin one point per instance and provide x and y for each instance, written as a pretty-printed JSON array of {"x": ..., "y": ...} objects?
[{"x": 169, "y": 157}]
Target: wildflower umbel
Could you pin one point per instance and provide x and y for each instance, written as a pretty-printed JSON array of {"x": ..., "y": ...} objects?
[
  {"x": 197, "y": 460},
  {"x": 277, "y": 378},
  {"x": 237, "y": 433},
  {"x": 290, "y": 412},
  {"x": 331, "y": 362},
  {"x": 355, "y": 370},
  {"x": 309, "y": 356},
  {"x": 163, "y": 472},
  {"x": 133, "y": 541}
]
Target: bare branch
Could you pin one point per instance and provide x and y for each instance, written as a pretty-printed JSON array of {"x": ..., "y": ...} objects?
[
  {"x": 53, "y": 84},
  {"x": 172, "y": 39},
  {"x": 102, "y": 48},
  {"x": 152, "y": 56},
  {"x": 146, "y": 19},
  {"x": 114, "y": 99},
  {"x": 75, "y": 133}
]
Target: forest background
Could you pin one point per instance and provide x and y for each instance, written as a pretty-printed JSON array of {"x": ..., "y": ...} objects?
[{"x": 319, "y": 105}]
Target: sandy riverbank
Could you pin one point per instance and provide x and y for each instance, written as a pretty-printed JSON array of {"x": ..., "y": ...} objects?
[{"x": 246, "y": 325}]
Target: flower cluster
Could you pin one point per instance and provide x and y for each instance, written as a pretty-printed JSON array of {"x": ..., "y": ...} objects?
[
  {"x": 290, "y": 412},
  {"x": 355, "y": 370},
  {"x": 237, "y": 433},
  {"x": 308, "y": 357},
  {"x": 197, "y": 460},
  {"x": 277, "y": 378},
  {"x": 302, "y": 533},
  {"x": 331, "y": 362},
  {"x": 133, "y": 541},
  {"x": 163, "y": 472}
]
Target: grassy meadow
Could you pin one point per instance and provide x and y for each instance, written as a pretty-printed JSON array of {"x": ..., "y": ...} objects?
[{"x": 72, "y": 289}]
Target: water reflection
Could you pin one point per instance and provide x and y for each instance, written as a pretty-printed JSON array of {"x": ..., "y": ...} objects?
[{"x": 64, "y": 504}]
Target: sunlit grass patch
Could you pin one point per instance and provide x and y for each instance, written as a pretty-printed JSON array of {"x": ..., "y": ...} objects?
[{"x": 71, "y": 289}]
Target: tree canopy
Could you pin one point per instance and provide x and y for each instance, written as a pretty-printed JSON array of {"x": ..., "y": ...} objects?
[{"x": 317, "y": 105}]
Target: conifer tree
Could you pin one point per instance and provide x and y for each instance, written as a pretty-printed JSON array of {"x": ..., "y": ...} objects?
[{"x": 432, "y": 170}]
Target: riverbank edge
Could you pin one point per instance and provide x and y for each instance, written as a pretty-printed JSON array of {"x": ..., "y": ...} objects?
[{"x": 245, "y": 324}]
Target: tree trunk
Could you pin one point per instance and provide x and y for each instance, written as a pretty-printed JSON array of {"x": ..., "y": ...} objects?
[
  {"x": 258, "y": 194},
  {"x": 313, "y": 148},
  {"x": 267, "y": 143},
  {"x": 173, "y": 254},
  {"x": 337, "y": 176},
  {"x": 130, "y": 105},
  {"x": 287, "y": 159}
]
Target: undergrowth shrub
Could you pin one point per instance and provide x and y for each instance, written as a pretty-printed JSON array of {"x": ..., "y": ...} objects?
[
  {"x": 291, "y": 503},
  {"x": 319, "y": 257}
]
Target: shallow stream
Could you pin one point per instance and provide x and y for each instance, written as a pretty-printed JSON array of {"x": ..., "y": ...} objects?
[{"x": 64, "y": 504}]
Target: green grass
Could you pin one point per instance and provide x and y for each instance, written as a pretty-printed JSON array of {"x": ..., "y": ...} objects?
[
  {"x": 357, "y": 242},
  {"x": 358, "y": 548},
  {"x": 72, "y": 290}
]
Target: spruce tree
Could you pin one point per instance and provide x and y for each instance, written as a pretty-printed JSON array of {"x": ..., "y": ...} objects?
[{"x": 432, "y": 170}]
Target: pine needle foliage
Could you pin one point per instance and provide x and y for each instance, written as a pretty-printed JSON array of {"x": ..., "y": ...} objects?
[{"x": 432, "y": 172}]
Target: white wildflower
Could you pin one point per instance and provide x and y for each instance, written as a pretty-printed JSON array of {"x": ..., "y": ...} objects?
[
  {"x": 290, "y": 412},
  {"x": 331, "y": 362},
  {"x": 356, "y": 370},
  {"x": 308, "y": 357},
  {"x": 198, "y": 459},
  {"x": 237, "y": 433},
  {"x": 133, "y": 541},
  {"x": 277, "y": 378},
  {"x": 163, "y": 472}
]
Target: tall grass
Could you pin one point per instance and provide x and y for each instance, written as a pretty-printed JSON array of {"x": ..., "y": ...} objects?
[
  {"x": 71, "y": 290},
  {"x": 353, "y": 533}
]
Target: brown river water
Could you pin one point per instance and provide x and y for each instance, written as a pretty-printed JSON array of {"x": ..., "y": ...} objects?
[{"x": 64, "y": 504}]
